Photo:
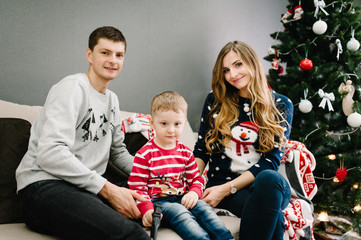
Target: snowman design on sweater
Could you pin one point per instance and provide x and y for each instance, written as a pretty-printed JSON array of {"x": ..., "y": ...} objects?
[{"x": 241, "y": 149}]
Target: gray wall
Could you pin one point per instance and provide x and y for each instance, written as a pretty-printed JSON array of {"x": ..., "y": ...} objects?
[{"x": 172, "y": 44}]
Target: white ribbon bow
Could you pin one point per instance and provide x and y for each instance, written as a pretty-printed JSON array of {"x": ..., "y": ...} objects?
[
  {"x": 339, "y": 48},
  {"x": 305, "y": 93},
  {"x": 326, "y": 97},
  {"x": 319, "y": 4}
]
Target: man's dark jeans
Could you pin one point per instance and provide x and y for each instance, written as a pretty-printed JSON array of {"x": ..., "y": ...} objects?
[{"x": 58, "y": 208}]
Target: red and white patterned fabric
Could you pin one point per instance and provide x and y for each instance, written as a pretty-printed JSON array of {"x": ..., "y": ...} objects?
[
  {"x": 138, "y": 122},
  {"x": 298, "y": 215},
  {"x": 298, "y": 164},
  {"x": 306, "y": 163}
]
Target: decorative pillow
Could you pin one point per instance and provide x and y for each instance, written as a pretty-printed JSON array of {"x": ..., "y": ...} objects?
[{"x": 14, "y": 140}]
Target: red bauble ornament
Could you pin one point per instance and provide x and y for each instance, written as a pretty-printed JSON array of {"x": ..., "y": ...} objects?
[
  {"x": 280, "y": 70},
  {"x": 306, "y": 64},
  {"x": 341, "y": 174}
]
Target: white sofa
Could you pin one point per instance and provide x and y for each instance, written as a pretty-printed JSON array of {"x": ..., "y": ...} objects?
[{"x": 19, "y": 231}]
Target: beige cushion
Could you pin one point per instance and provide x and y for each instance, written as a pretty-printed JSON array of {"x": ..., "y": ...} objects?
[
  {"x": 19, "y": 231},
  {"x": 13, "y": 110}
]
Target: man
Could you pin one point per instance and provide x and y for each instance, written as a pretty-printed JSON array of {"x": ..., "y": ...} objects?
[{"x": 60, "y": 184}]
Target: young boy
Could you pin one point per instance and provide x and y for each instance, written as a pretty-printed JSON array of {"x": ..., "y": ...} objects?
[
  {"x": 165, "y": 171},
  {"x": 60, "y": 184}
]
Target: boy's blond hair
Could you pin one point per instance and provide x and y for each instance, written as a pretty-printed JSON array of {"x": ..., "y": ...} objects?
[{"x": 168, "y": 100}]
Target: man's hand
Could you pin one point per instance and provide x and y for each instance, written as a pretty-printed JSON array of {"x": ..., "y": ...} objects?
[
  {"x": 214, "y": 195},
  {"x": 148, "y": 218},
  {"x": 122, "y": 200},
  {"x": 190, "y": 199}
]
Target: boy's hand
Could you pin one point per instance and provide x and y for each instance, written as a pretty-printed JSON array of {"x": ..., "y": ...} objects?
[
  {"x": 148, "y": 218},
  {"x": 190, "y": 199}
]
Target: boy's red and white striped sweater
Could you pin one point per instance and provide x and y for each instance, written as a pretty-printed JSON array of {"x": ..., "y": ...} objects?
[{"x": 161, "y": 172}]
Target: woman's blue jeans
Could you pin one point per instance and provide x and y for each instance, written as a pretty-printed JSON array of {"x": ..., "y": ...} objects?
[
  {"x": 200, "y": 222},
  {"x": 260, "y": 207},
  {"x": 59, "y": 208}
]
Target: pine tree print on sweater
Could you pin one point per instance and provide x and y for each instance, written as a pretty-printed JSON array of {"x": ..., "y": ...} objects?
[{"x": 94, "y": 129}]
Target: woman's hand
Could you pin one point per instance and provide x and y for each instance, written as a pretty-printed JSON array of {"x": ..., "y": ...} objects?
[
  {"x": 214, "y": 195},
  {"x": 190, "y": 199}
]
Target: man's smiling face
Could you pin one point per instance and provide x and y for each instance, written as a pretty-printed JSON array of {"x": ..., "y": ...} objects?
[{"x": 107, "y": 58}]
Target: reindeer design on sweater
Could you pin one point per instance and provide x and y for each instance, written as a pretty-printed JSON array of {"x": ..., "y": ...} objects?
[
  {"x": 241, "y": 149},
  {"x": 167, "y": 188}
]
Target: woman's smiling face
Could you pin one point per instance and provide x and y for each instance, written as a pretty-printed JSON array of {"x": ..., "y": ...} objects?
[{"x": 236, "y": 73}]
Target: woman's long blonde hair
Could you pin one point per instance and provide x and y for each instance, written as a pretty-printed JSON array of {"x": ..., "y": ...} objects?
[{"x": 263, "y": 108}]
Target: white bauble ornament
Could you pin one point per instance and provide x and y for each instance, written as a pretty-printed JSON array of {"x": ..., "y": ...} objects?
[
  {"x": 354, "y": 120},
  {"x": 319, "y": 27},
  {"x": 305, "y": 106},
  {"x": 353, "y": 45}
]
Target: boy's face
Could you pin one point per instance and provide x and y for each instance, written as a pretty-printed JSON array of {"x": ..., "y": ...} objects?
[
  {"x": 107, "y": 58},
  {"x": 168, "y": 127}
]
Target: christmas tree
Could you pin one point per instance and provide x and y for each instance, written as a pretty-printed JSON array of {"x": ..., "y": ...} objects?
[{"x": 316, "y": 62}]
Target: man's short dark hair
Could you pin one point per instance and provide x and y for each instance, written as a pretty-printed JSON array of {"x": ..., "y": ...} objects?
[{"x": 107, "y": 32}]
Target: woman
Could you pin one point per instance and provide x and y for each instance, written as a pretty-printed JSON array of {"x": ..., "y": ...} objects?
[{"x": 244, "y": 129}]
